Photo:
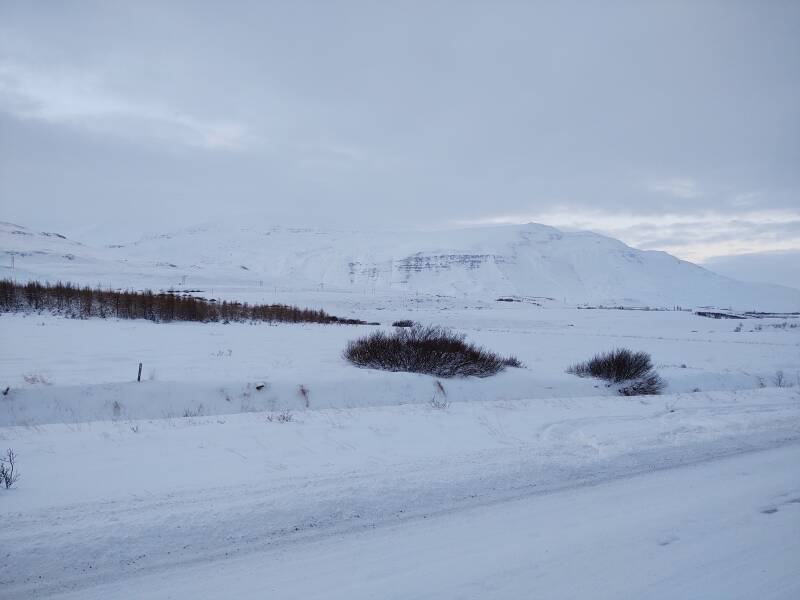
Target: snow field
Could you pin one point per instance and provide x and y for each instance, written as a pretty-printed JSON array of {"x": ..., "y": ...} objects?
[
  {"x": 65, "y": 370},
  {"x": 532, "y": 482}
]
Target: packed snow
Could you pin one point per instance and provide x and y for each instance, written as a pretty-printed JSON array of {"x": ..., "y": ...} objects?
[{"x": 722, "y": 529}]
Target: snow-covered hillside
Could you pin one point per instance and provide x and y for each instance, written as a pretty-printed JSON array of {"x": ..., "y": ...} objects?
[{"x": 481, "y": 263}]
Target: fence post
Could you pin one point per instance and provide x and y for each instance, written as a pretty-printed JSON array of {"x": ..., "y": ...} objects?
[{"x": 139, "y": 376}]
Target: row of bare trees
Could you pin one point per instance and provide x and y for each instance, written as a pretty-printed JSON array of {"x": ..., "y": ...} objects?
[{"x": 82, "y": 302}]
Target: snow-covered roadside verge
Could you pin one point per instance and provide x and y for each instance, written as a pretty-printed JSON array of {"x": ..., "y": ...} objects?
[
  {"x": 725, "y": 528},
  {"x": 103, "y": 501},
  {"x": 46, "y": 404}
]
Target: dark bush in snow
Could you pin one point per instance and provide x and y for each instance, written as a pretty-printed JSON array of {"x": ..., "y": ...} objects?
[
  {"x": 403, "y": 323},
  {"x": 615, "y": 367},
  {"x": 621, "y": 365},
  {"x": 431, "y": 350},
  {"x": 649, "y": 385}
]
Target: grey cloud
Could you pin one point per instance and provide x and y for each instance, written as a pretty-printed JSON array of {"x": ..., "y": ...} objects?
[
  {"x": 413, "y": 114},
  {"x": 782, "y": 268}
]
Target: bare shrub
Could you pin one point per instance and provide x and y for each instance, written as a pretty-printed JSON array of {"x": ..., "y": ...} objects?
[
  {"x": 513, "y": 362},
  {"x": 403, "y": 323},
  {"x": 779, "y": 380},
  {"x": 782, "y": 381},
  {"x": 8, "y": 473},
  {"x": 439, "y": 399},
  {"x": 649, "y": 385},
  {"x": 194, "y": 412},
  {"x": 615, "y": 366},
  {"x": 439, "y": 403},
  {"x": 302, "y": 391},
  {"x": 418, "y": 349},
  {"x": 284, "y": 416},
  {"x": 623, "y": 366}
]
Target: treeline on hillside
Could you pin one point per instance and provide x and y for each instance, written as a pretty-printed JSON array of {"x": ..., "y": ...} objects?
[{"x": 81, "y": 302}]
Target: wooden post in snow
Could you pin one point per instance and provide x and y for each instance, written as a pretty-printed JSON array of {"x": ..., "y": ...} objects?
[{"x": 139, "y": 376}]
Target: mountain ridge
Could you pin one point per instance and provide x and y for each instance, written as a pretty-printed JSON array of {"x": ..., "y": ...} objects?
[{"x": 576, "y": 268}]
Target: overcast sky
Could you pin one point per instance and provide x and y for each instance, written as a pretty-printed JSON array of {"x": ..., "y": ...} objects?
[{"x": 670, "y": 125}]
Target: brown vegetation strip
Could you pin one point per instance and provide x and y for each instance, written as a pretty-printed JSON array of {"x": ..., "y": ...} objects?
[{"x": 162, "y": 307}]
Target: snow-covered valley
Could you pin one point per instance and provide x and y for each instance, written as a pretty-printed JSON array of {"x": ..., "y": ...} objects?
[{"x": 252, "y": 459}]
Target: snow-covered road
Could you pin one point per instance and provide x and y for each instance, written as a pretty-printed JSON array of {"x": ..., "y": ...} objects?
[
  {"x": 726, "y": 528},
  {"x": 514, "y": 497}
]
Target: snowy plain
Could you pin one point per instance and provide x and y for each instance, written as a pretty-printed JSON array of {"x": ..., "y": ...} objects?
[
  {"x": 532, "y": 482},
  {"x": 70, "y": 370}
]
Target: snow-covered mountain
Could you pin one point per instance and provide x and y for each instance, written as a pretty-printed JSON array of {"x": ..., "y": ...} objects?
[{"x": 482, "y": 263}]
